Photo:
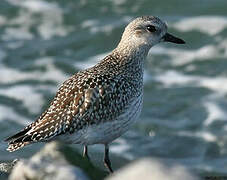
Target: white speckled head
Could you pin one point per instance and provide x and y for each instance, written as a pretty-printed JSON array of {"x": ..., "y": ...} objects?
[{"x": 146, "y": 31}]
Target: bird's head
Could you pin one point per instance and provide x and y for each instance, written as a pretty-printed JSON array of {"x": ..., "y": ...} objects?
[{"x": 148, "y": 31}]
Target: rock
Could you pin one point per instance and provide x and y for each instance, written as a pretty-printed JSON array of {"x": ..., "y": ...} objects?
[
  {"x": 55, "y": 162},
  {"x": 7, "y": 166},
  {"x": 27, "y": 169},
  {"x": 59, "y": 162},
  {"x": 150, "y": 169}
]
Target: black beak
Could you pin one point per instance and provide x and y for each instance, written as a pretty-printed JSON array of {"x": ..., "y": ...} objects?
[{"x": 170, "y": 38}]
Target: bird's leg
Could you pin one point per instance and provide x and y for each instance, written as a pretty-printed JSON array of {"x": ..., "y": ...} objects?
[
  {"x": 85, "y": 153},
  {"x": 107, "y": 162}
]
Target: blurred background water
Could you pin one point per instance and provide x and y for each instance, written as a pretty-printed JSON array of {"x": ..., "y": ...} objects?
[{"x": 184, "y": 118}]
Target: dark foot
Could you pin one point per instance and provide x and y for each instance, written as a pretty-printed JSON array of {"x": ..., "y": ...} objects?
[
  {"x": 85, "y": 153},
  {"x": 107, "y": 162}
]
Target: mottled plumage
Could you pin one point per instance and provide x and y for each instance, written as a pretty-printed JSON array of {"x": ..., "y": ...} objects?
[{"x": 99, "y": 104}]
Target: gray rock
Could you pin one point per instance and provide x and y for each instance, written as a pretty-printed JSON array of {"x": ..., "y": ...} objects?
[
  {"x": 48, "y": 164},
  {"x": 7, "y": 166},
  {"x": 150, "y": 169},
  {"x": 27, "y": 169}
]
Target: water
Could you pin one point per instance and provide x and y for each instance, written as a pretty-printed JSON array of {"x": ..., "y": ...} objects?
[{"x": 184, "y": 119}]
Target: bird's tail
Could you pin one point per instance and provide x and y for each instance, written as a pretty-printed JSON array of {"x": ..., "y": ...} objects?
[
  {"x": 16, "y": 146},
  {"x": 19, "y": 140}
]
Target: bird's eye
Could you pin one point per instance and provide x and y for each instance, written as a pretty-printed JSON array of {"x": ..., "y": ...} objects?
[{"x": 151, "y": 28}]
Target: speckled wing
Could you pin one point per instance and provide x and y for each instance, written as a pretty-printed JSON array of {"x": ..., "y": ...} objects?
[{"x": 82, "y": 100}]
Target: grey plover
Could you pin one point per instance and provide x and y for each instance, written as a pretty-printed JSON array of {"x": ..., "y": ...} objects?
[{"x": 97, "y": 105}]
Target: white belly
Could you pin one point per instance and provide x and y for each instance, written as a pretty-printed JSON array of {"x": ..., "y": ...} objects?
[{"x": 104, "y": 133}]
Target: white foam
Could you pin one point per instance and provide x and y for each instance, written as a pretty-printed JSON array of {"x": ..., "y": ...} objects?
[
  {"x": 96, "y": 26},
  {"x": 90, "y": 61},
  {"x": 3, "y": 20},
  {"x": 53, "y": 25},
  {"x": 119, "y": 2},
  {"x": 19, "y": 33},
  {"x": 34, "y": 5},
  {"x": 207, "y": 136},
  {"x": 28, "y": 95},
  {"x": 39, "y": 6},
  {"x": 49, "y": 24},
  {"x": 180, "y": 57},
  {"x": 121, "y": 148},
  {"x": 210, "y": 25},
  {"x": 170, "y": 78},
  {"x": 18, "y": 27},
  {"x": 216, "y": 84},
  {"x": 9, "y": 75},
  {"x": 214, "y": 112},
  {"x": 9, "y": 113},
  {"x": 222, "y": 47}
]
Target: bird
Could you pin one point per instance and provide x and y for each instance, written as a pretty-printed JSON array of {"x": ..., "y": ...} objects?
[{"x": 97, "y": 105}]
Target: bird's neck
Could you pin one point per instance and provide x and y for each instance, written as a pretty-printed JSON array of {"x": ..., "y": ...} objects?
[
  {"x": 132, "y": 51},
  {"x": 126, "y": 58},
  {"x": 130, "y": 58}
]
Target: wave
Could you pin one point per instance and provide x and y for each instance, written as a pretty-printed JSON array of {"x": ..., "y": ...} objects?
[{"x": 210, "y": 25}]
